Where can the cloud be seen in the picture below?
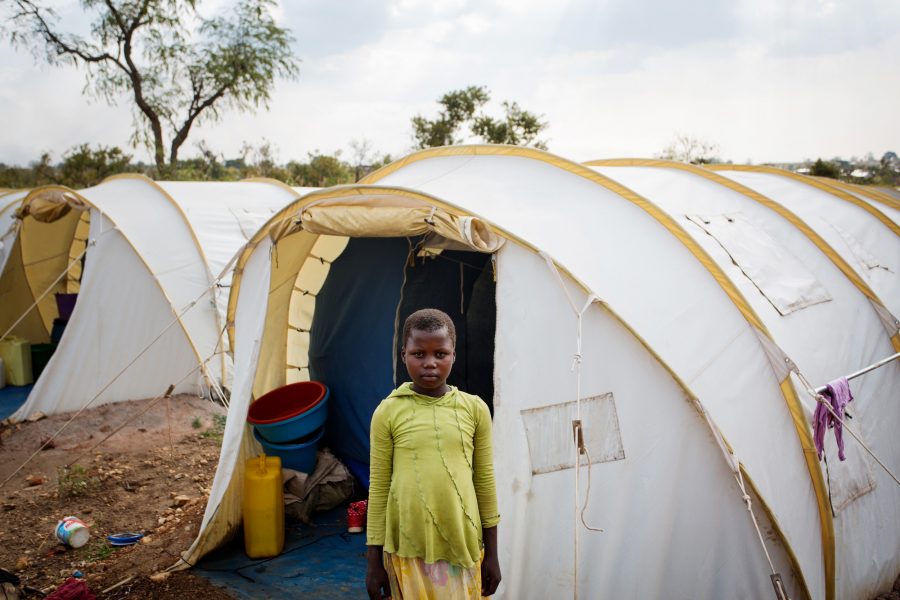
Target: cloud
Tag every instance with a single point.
(612, 78)
(649, 24)
(817, 27)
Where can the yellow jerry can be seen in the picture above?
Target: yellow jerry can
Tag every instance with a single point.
(16, 355)
(263, 507)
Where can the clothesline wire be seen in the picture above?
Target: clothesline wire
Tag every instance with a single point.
(821, 399)
(49, 288)
(115, 378)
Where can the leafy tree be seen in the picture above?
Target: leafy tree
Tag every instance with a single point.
(888, 171)
(690, 149)
(178, 68)
(518, 127)
(83, 167)
(823, 168)
(322, 170)
(458, 108)
(43, 171)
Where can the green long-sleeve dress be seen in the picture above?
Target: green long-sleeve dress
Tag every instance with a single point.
(431, 488)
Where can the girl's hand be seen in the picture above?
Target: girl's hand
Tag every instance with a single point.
(490, 574)
(377, 583)
(490, 564)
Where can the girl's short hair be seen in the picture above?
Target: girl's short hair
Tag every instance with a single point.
(430, 320)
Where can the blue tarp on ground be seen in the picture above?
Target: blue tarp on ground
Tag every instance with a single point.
(323, 561)
(12, 397)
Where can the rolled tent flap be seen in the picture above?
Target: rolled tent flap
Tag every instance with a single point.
(400, 221)
(49, 205)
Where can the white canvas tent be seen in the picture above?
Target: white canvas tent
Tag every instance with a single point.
(882, 199)
(687, 344)
(9, 203)
(150, 309)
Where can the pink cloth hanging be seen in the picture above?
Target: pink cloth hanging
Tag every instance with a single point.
(837, 393)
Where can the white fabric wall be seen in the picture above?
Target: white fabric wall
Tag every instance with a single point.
(892, 213)
(163, 239)
(674, 519)
(250, 318)
(223, 216)
(8, 205)
(104, 335)
(649, 278)
(824, 341)
(849, 314)
(841, 224)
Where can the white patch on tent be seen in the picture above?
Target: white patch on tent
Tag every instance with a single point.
(780, 277)
(852, 478)
(549, 433)
(865, 258)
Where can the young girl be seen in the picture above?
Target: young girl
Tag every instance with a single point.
(432, 514)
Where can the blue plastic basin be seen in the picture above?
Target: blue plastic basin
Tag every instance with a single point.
(299, 457)
(290, 412)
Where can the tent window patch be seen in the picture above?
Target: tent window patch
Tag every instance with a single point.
(549, 433)
(784, 281)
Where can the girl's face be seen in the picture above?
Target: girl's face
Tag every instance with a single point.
(429, 356)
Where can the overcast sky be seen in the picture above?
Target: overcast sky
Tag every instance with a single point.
(766, 80)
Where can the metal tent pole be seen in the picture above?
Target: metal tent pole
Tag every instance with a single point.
(865, 370)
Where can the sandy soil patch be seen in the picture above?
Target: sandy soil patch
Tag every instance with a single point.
(152, 477)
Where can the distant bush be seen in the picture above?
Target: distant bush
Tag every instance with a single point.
(84, 166)
(823, 168)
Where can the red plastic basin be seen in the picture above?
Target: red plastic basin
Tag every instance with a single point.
(290, 412)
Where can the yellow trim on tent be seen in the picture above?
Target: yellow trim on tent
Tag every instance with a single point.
(16, 296)
(796, 221)
(793, 403)
(867, 191)
(275, 182)
(43, 189)
(811, 181)
(664, 219)
(45, 255)
(826, 520)
(788, 549)
(277, 223)
(210, 275)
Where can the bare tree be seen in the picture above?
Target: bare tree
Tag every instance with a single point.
(363, 155)
(690, 149)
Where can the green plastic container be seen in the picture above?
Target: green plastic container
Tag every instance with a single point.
(16, 354)
(40, 356)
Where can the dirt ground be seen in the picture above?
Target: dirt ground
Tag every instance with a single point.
(153, 477)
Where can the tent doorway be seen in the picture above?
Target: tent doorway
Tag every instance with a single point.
(354, 340)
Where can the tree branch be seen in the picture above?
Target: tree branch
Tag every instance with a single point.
(194, 112)
(134, 75)
(30, 11)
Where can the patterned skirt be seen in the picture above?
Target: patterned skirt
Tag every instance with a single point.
(414, 579)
